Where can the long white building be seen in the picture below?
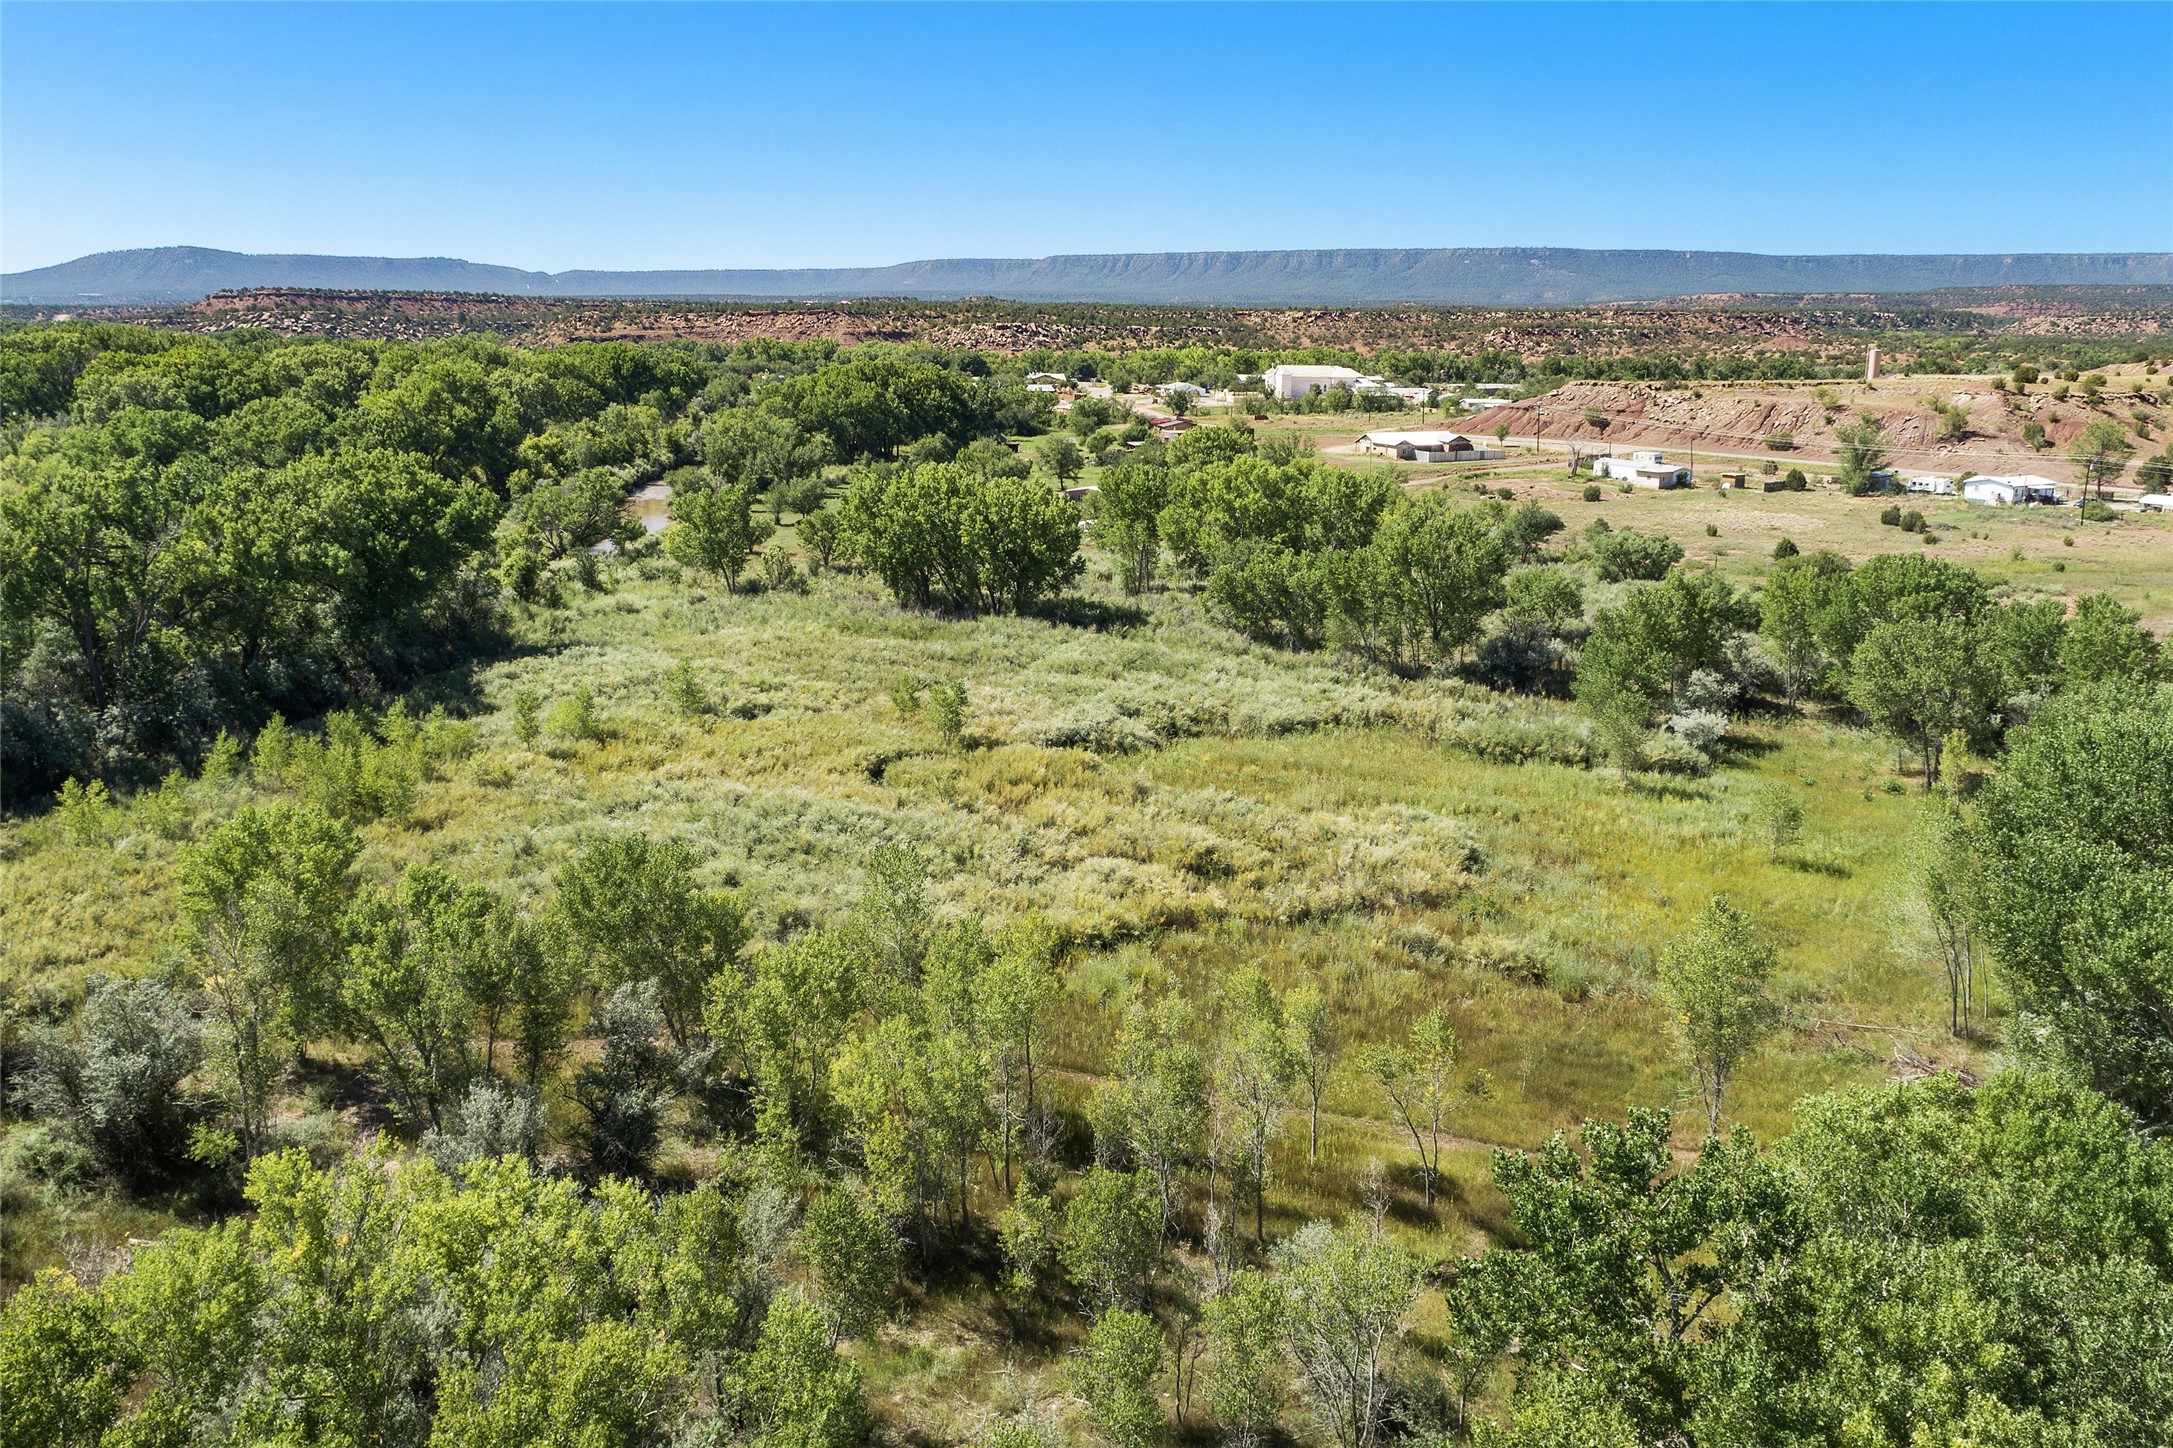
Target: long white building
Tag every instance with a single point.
(1289, 381)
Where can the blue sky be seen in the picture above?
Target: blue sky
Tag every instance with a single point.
(568, 135)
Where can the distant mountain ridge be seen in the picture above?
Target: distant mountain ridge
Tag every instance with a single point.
(1515, 276)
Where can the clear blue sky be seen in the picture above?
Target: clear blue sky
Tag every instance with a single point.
(560, 136)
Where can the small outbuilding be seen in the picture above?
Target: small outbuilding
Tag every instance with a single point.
(1935, 486)
(2155, 502)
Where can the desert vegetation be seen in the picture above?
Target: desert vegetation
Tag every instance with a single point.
(1255, 950)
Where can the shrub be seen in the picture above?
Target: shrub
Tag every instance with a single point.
(2097, 510)
(1712, 530)
(781, 572)
(1786, 548)
(1912, 521)
(947, 711)
(1626, 555)
(1781, 441)
(114, 1084)
(1592, 492)
(527, 715)
(1890, 516)
(1795, 481)
(623, 1093)
(85, 814)
(574, 717)
(685, 690)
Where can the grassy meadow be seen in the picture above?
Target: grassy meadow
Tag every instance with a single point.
(1176, 804)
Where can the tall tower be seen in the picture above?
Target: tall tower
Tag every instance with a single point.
(1871, 364)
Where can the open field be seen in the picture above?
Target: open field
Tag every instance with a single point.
(1173, 801)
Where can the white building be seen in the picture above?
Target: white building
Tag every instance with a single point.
(2009, 490)
(1481, 404)
(1425, 447)
(1936, 486)
(1187, 388)
(2155, 502)
(1643, 470)
(1288, 382)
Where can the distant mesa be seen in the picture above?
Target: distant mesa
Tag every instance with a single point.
(1483, 276)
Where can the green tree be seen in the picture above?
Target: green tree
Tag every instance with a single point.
(1127, 521)
(714, 529)
(1713, 978)
(1549, 597)
(1114, 1373)
(1061, 455)
(563, 517)
(799, 1393)
(1917, 681)
(1420, 1082)
(404, 991)
(1862, 450)
(263, 895)
(630, 909)
(62, 1373)
(852, 1253)
(2102, 452)
(1253, 1077)
(1246, 1371)
(1153, 1110)
(1347, 1293)
(760, 451)
(1798, 593)
(2076, 886)
(1448, 564)
(2106, 641)
(1112, 1235)
(1315, 1044)
(1625, 554)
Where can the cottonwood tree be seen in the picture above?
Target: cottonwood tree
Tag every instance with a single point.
(1014, 994)
(629, 907)
(1713, 978)
(2074, 841)
(791, 1016)
(1919, 680)
(714, 529)
(403, 991)
(1946, 884)
(1862, 449)
(263, 895)
(1112, 1235)
(2102, 452)
(797, 1390)
(1797, 593)
(1314, 1043)
(1421, 1082)
(1154, 1109)
(1253, 1077)
(1345, 1296)
(1246, 1368)
(852, 1254)
(1114, 1373)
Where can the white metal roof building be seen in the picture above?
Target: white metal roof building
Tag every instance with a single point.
(1291, 381)
(1936, 486)
(2009, 490)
